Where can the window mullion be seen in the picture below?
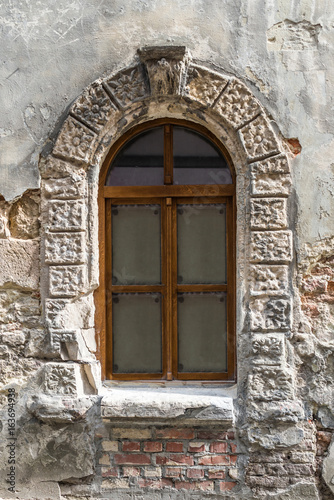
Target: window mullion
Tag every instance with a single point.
(168, 154)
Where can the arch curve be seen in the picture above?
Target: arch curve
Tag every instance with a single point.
(166, 82)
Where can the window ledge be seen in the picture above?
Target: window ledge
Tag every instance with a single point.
(168, 401)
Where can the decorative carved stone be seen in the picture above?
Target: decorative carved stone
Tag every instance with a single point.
(279, 411)
(75, 141)
(54, 168)
(203, 85)
(94, 107)
(268, 279)
(271, 177)
(65, 248)
(270, 313)
(268, 349)
(68, 315)
(60, 379)
(166, 68)
(128, 86)
(271, 246)
(269, 213)
(258, 138)
(66, 215)
(237, 105)
(54, 313)
(267, 384)
(58, 338)
(67, 188)
(67, 281)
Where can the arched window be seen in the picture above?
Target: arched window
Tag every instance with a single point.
(168, 255)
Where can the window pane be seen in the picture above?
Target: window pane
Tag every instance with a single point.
(136, 320)
(201, 244)
(136, 253)
(202, 339)
(196, 160)
(140, 162)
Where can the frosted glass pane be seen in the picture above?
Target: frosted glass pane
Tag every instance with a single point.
(202, 339)
(136, 320)
(197, 160)
(201, 240)
(136, 244)
(140, 162)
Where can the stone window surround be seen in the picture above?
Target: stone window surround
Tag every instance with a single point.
(165, 82)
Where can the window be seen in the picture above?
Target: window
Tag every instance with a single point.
(167, 254)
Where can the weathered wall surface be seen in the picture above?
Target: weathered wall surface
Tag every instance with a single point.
(281, 443)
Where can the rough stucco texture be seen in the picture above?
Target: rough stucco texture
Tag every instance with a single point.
(282, 48)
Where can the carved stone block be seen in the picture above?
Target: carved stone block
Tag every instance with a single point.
(75, 141)
(65, 248)
(265, 279)
(269, 213)
(203, 85)
(128, 86)
(67, 188)
(66, 215)
(271, 177)
(273, 384)
(54, 168)
(62, 337)
(94, 107)
(67, 281)
(68, 315)
(237, 105)
(60, 379)
(270, 313)
(166, 68)
(268, 349)
(258, 138)
(271, 246)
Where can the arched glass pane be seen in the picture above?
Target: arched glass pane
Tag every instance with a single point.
(196, 160)
(140, 162)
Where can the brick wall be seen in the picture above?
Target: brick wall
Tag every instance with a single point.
(181, 458)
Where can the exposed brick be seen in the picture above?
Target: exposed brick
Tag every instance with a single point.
(135, 459)
(172, 471)
(104, 460)
(154, 484)
(110, 472)
(110, 445)
(152, 472)
(202, 486)
(175, 433)
(132, 433)
(131, 471)
(183, 485)
(205, 485)
(174, 447)
(227, 485)
(233, 459)
(131, 446)
(174, 460)
(196, 447)
(212, 435)
(218, 447)
(152, 446)
(214, 460)
(115, 483)
(195, 473)
(233, 447)
(216, 474)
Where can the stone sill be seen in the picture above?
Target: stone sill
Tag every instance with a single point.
(185, 402)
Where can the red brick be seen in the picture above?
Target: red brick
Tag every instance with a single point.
(214, 460)
(216, 474)
(233, 459)
(174, 460)
(212, 435)
(175, 447)
(110, 472)
(231, 435)
(195, 473)
(173, 471)
(131, 446)
(183, 485)
(196, 447)
(152, 446)
(135, 459)
(151, 483)
(227, 485)
(233, 447)
(205, 485)
(218, 447)
(175, 433)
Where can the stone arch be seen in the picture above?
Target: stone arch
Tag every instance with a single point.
(166, 82)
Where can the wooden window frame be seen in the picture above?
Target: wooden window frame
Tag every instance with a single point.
(168, 196)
